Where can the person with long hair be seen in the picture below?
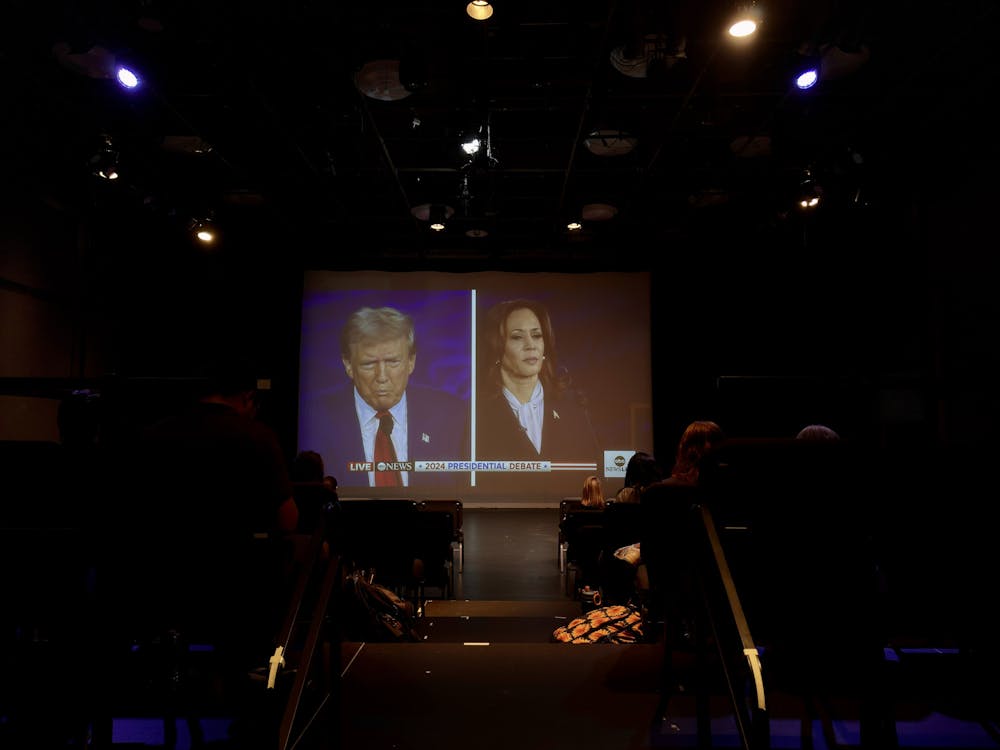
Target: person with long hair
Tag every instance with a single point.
(592, 495)
(641, 471)
(528, 408)
(697, 439)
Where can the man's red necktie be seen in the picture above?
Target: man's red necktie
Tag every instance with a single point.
(385, 452)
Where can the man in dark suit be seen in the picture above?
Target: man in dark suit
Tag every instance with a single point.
(378, 349)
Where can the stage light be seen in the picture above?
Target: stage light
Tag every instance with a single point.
(474, 139)
(104, 163)
(127, 77)
(204, 232)
(437, 214)
(471, 145)
(479, 10)
(806, 79)
(810, 193)
(807, 72)
(437, 217)
(745, 21)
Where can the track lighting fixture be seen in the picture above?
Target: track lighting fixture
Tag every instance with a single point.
(471, 145)
(437, 217)
(436, 214)
(476, 144)
(204, 232)
(104, 163)
(810, 193)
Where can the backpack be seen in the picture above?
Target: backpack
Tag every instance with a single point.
(375, 613)
(614, 623)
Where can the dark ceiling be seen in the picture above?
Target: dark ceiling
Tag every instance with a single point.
(337, 122)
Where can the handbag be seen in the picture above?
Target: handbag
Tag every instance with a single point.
(614, 623)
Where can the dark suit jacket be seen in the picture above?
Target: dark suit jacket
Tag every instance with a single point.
(567, 434)
(437, 429)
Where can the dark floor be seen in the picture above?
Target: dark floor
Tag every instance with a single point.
(510, 555)
(485, 674)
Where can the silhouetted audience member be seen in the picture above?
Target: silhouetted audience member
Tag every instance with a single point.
(205, 514)
(307, 466)
(315, 493)
(666, 571)
(698, 438)
(624, 574)
(620, 555)
(817, 432)
(641, 470)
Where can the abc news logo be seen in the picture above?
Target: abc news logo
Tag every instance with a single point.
(380, 466)
(615, 462)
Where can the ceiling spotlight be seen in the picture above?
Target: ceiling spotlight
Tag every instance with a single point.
(126, 77)
(574, 226)
(204, 232)
(807, 72)
(379, 79)
(810, 193)
(746, 20)
(479, 10)
(437, 214)
(104, 163)
(437, 217)
(471, 145)
(807, 79)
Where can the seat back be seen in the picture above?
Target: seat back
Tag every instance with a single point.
(438, 537)
(796, 519)
(583, 533)
(452, 507)
(666, 541)
(381, 534)
(622, 525)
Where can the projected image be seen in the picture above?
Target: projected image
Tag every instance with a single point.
(385, 385)
(530, 412)
(515, 387)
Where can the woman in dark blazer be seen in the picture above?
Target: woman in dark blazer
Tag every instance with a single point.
(527, 408)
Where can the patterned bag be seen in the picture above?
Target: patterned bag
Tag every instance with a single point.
(615, 623)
